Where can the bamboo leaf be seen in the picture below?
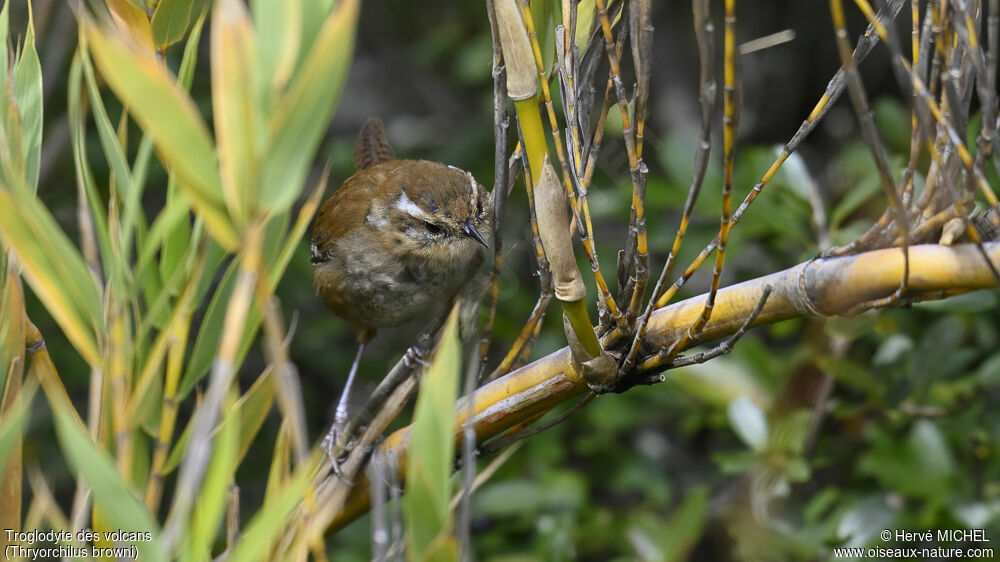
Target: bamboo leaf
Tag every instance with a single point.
(12, 424)
(428, 481)
(118, 504)
(130, 17)
(303, 112)
(171, 20)
(12, 168)
(543, 16)
(280, 463)
(84, 177)
(585, 14)
(236, 119)
(185, 73)
(176, 229)
(114, 153)
(54, 269)
(254, 406)
(28, 95)
(165, 111)
(219, 476)
(4, 28)
(280, 263)
(278, 24)
(210, 333)
(12, 353)
(314, 13)
(207, 341)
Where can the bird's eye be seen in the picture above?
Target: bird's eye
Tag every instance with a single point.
(432, 228)
(479, 206)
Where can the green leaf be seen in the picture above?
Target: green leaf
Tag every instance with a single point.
(314, 14)
(432, 452)
(303, 112)
(11, 154)
(236, 119)
(584, 19)
(542, 14)
(278, 265)
(210, 333)
(117, 503)
(931, 450)
(114, 153)
(680, 534)
(171, 19)
(12, 167)
(12, 328)
(167, 113)
(4, 27)
(185, 74)
(220, 475)
(852, 374)
(893, 120)
(254, 406)
(28, 95)
(920, 466)
(84, 177)
(989, 372)
(54, 269)
(173, 231)
(735, 462)
(279, 36)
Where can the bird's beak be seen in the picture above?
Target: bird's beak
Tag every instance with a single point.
(470, 230)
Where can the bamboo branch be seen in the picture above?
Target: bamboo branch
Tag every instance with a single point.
(819, 287)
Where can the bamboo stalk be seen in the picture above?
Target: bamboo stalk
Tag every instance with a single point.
(819, 287)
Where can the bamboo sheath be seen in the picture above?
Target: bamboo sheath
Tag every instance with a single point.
(820, 287)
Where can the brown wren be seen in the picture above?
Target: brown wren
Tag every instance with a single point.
(396, 239)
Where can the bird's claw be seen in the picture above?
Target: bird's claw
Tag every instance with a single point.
(414, 356)
(336, 450)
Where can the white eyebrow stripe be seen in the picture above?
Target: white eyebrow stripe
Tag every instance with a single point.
(474, 191)
(409, 207)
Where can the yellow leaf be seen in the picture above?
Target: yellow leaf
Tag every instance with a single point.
(132, 21)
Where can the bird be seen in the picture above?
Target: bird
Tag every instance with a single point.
(397, 240)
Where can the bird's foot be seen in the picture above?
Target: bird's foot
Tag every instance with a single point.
(335, 444)
(415, 356)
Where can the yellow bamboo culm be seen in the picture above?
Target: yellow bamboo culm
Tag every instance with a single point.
(821, 287)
